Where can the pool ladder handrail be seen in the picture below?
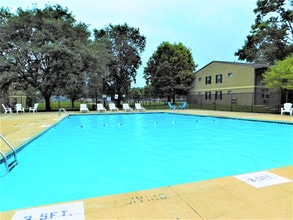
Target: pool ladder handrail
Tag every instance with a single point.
(5, 162)
(62, 109)
(11, 165)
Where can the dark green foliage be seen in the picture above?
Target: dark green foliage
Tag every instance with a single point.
(126, 45)
(48, 51)
(169, 71)
(271, 36)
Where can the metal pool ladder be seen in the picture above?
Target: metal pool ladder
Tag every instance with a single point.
(13, 163)
(62, 109)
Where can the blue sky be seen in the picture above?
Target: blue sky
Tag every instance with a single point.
(211, 29)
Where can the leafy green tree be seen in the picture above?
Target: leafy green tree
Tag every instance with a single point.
(99, 73)
(280, 76)
(44, 49)
(271, 36)
(5, 81)
(127, 44)
(136, 93)
(170, 70)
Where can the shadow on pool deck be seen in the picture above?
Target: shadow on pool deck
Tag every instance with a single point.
(222, 198)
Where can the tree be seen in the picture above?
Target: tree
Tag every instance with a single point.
(45, 49)
(169, 70)
(271, 36)
(280, 76)
(127, 44)
(97, 78)
(136, 93)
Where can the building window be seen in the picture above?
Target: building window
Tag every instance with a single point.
(218, 95)
(208, 95)
(219, 78)
(230, 75)
(265, 95)
(199, 79)
(208, 80)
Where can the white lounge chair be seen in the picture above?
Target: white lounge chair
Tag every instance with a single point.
(126, 107)
(112, 107)
(19, 108)
(287, 108)
(7, 109)
(138, 107)
(35, 108)
(83, 108)
(100, 107)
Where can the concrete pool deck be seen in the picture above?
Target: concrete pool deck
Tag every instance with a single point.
(221, 198)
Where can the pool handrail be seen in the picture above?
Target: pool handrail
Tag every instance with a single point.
(5, 162)
(62, 109)
(10, 146)
(13, 163)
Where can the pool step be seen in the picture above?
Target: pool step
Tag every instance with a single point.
(11, 165)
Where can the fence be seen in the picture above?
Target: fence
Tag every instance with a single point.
(262, 101)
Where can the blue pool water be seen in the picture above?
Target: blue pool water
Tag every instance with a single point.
(97, 155)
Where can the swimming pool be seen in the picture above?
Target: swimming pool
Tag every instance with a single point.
(94, 155)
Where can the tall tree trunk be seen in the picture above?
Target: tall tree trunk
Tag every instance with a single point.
(47, 102)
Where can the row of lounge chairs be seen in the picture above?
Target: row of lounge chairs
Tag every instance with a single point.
(20, 108)
(287, 108)
(112, 107)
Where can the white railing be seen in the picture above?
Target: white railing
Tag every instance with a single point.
(11, 165)
(5, 162)
(62, 109)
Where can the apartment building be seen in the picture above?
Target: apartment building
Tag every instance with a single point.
(231, 82)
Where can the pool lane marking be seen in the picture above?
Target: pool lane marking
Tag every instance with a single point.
(67, 211)
(262, 179)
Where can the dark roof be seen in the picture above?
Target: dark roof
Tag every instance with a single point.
(254, 65)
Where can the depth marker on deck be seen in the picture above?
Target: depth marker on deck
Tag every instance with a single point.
(68, 211)
(262, 179)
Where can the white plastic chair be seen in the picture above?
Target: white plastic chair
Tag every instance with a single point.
(287, 108)
(126, 107)
(83, 108)
(19, 108)
(138, 107)
(100, 107)
(112, 107)
(35, 108)
(7, 109)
